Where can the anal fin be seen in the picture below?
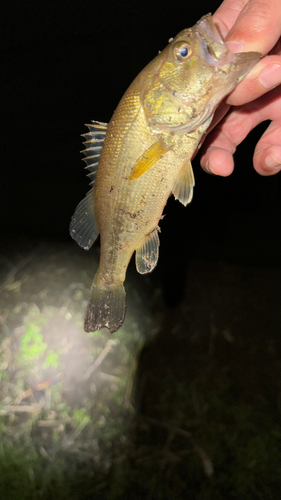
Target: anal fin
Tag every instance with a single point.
(147, 254)
(83, 228)
(183, 188)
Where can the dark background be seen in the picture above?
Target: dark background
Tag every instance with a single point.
(64, 63)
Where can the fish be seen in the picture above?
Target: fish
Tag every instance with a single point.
(143, 155)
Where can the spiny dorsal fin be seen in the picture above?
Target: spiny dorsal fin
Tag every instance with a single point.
(94, 143)
(147, 254)
(183, 188)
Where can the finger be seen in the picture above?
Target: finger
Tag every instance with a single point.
(221, 143)
(267, 155)
(218, 161)
(257, 26)
(245, 19)
(227, 14)
(228, 160)
(265, 76)
(223, 140)
(220, 113)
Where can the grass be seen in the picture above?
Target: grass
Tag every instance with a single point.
(82, 417)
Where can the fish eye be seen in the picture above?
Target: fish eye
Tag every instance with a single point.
(182, 51)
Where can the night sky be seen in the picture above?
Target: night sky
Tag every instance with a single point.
(64, 63)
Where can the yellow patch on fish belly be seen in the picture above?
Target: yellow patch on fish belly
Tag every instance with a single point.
(148, 159)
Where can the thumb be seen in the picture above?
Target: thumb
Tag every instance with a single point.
(257, 27)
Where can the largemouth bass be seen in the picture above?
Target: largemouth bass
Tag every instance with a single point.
(144, 155)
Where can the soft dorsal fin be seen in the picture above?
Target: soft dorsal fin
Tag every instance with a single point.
(94, 143)
(183, 188)
(147, 254)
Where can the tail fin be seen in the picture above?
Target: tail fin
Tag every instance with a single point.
(105, 308)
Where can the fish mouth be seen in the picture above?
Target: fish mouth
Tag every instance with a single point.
(217, 55)
(213, 46)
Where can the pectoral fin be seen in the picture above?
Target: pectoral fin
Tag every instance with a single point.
(147, 254)
(148, 159)
(183, 188)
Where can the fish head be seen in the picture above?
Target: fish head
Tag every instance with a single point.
(192, 76)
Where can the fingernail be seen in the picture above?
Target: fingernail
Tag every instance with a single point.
(271, 76)
(235, 46)
(271, 162)
(207, 167)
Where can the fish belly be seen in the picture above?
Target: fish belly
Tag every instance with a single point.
(132, 210)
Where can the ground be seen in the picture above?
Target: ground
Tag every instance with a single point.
(181, 402)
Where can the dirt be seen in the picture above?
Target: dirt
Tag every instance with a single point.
(181, 401)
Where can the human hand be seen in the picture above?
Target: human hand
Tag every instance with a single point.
(257, 25)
